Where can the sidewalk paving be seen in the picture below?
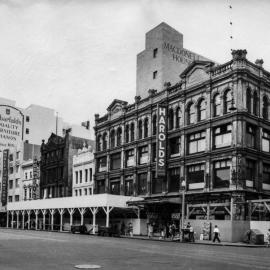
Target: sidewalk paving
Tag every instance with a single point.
(199, 242)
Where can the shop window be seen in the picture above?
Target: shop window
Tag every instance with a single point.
(217, 105)
(143, 154)
(174, 146)
(171, 119)
(195, 176)
(102, 164)
(127, 134)
(100, 186)
(251, 136)
(105, 141)
(132, 132)
(266, 141)
(115, 187)
(223, 136)
(227, 101)
(222, 171)
(156, 184)
(142, 183)
(130, 159)
(196, 142)
(140, 129)
(112, 138)
(146, 128)
(202, 110)
(191, 114)
(178, 117)
(129, 185)
(265, 108)
(248, 96)
(155, 51)
(174, 180)
(116, 161)
(255, 103)
(154, 125)
(266, 174)
(119, 136)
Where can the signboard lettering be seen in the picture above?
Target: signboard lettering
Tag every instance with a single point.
(4, 177)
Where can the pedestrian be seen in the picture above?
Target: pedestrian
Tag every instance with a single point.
(123, 228)
(130, 229)
(268, 238)
(191, 234)
(173, 229)
(150, 230)
(216, 234)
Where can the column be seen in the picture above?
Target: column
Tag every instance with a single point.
(44, 211)
(23, 213)
(52, 217)
(82, 212)
(29, 215)
(7, 218)
(107, 211)
(71, 212)
(94, 210)
(36, 213)
(12, 219)
(61, 212)
(17, 216)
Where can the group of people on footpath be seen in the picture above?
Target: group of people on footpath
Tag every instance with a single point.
(166, 231)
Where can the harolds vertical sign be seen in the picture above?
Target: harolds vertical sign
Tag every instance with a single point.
(4, 178)
(161, 140)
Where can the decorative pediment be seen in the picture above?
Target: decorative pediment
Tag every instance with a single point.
(116, 107)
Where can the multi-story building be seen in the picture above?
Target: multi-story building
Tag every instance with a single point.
(83, 171)
(205, 137)
(56, 164)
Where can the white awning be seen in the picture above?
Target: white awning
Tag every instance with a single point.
(98, 200)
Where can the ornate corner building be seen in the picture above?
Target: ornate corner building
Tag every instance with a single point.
(217, 142)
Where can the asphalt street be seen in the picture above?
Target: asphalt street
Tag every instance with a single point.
(29, 250)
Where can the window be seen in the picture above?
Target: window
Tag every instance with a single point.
(143, 154)
(86, 175)
(178, 117)
(265, 108)
(105, 141)
(196, 142)
(248, 96)
(10, 184)
(116, 161)
(266, 174)
(195, 176)
(27, 130)
(77, 178)
(115, 187)
(145, 127)
(119, 136)
(154, 125)
(127, 133)
(227, 101)
(100, 186)
(155, 74)
(202, 110)
(223, 136)
(17, 183)
(80, 176)
(191, 114)
(171, 119)
(222, 174)
(174, 145)
(11, 170)
(129, 185)
(255, 103)
(130, 160)
(250, 171)
(17, 155)
(31, 174)
(25, 194)
(90, 191)
(156, 183)
(112, 138)
(9, 198)
(266, 141)
(132, 132)
(174, 180)
(76, 192)
(85, 191)
(155, 51)
(27, 119)
(102, 164)
(140, 129)
(99, 143)
(251, 134)
(142, 183)
(217, 105)
(17, 198)
(80, 192)
(30, 193)
(10, 157)
(91, 174)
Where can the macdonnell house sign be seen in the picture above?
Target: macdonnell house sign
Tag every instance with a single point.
(11, 127)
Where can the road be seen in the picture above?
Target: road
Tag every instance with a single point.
(27, 250)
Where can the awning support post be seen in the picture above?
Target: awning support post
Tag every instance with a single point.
(36, 213)
(44, 211)
(23, 213)
(17, 216)
(7, 218)
(29, 215)
(82, 212)
(94, 210)
(52, 211)
(12, 219)
(61, 212)
(107, 211)
(71, 212)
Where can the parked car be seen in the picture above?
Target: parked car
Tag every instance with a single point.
(78, 229)
(108, 231)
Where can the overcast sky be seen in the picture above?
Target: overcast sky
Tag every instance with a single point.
(77, 56)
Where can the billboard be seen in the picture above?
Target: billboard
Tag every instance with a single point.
(4, 178)
(11, 127)
(161, 140)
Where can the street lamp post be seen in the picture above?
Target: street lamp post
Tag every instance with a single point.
(182, 194)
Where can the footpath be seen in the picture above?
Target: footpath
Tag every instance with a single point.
(197, 242)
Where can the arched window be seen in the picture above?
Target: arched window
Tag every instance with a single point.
(105, 141)
(140, 129)
(265, 107)
(132, 132)
(217, 105)
(145, 127)
(112, 138)
(154, 123)
(119, 136)
(191, 114)
(127, 134)
(171, 119)
(99, 144)
(227, 101)
(178, 117)
(202, 110)
(248, 96)
(255, 103)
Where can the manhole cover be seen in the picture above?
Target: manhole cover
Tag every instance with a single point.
(87, 266)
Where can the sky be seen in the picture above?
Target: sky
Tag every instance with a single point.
(77, 56)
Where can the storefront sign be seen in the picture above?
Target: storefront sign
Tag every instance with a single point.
(11, 127)
(175, 216)
(4, 177)
(161, 141)
(35, 179)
